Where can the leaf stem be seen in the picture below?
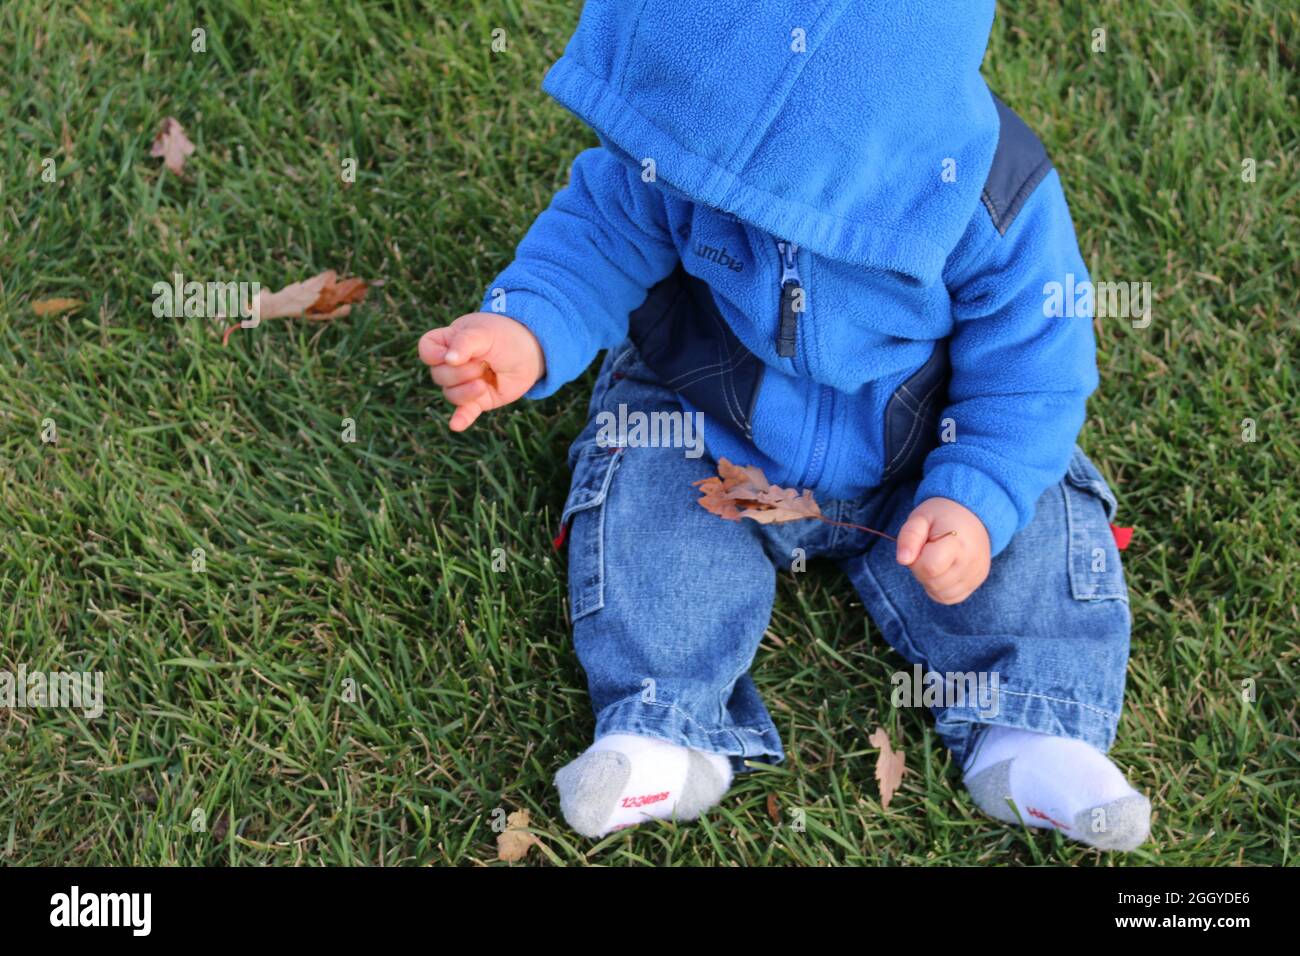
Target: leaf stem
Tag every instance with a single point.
(846, 524)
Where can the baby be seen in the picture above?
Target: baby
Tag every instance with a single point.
(815, 231)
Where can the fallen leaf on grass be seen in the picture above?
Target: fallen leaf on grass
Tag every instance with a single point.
(55, 306)
(514, 843)
(172, 145)
(336, 298)
(889, 766)
(774, 808)
(293, 299)
(319, 299)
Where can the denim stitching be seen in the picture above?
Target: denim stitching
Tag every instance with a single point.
(916, 420)
(727, 363)
(735, 398)
(728, 390)
(688, 719)
(623, 357)
(944, 665)
(1080, 478)
(599, 502)
(726, 399)
(678, 385)
(904, 392)
(713, 368)
(1063, 700)
(1095, 593)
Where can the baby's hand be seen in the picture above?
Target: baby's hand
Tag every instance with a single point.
(952, 567)
(482, 361)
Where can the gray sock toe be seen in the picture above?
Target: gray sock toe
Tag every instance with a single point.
(704, 787)
(991, 789)
(1122, 824)
(590, 787)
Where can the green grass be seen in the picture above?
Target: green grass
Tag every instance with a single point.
(373, 562)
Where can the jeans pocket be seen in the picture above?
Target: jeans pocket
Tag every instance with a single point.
(593, 470)
(1090, 505)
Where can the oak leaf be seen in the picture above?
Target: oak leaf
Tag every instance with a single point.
(889, 766)
(515, 841)
(172, 145)
(743, 491)
(319, 299)
(335, 300)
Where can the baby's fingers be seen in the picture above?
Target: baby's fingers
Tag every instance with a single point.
(937, 557)
(912, 538)
(454, 345)
(433, 346)
(466, 343)
(465, 415)
(446, 375)
(472, 391)
(951, 587)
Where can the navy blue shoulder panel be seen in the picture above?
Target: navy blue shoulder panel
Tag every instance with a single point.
(1019, 165)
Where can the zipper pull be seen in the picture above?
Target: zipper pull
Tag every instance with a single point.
(790, 294)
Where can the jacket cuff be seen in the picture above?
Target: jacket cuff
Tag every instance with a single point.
(555, 334)
(978, 492)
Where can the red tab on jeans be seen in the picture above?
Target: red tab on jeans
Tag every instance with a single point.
(1122, 536)
(558, 541)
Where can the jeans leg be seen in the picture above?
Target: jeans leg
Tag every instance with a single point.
(1047, 633)
(669, 602)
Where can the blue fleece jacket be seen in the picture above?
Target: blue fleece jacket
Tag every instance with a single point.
(854, 150)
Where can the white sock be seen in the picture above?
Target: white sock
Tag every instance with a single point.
(625, 779)
(1057, 782)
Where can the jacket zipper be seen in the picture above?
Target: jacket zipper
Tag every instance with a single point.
(787, 336)
(816, 463)
(790, 286)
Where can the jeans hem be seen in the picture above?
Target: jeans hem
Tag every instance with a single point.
(666, 722)
(961, 728)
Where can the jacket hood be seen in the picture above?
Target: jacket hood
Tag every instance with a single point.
(861, 130)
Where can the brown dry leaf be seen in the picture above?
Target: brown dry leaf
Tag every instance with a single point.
(514, 843)
(55, 306)
(774, 808)
(67, 139)
(294, 299)
(320, 299)
(336, 298)
(889, 766)
(744, 492)
(172, 145)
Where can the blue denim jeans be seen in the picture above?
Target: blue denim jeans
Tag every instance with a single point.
(669, 602)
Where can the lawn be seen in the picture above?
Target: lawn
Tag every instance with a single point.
(322, 651)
